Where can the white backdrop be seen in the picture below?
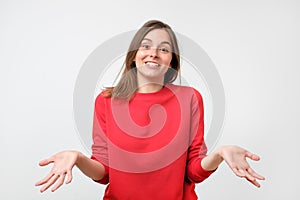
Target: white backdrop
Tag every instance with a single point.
(254, 45)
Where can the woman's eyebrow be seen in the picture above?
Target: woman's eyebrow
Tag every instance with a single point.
(164, 42)
(147, 39)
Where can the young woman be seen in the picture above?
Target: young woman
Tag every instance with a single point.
(149, 133)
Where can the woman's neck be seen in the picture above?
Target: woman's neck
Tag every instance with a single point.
(150, 87)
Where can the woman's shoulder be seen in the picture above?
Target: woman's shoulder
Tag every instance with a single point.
(186, 92)
(101, 97)
(183, 88)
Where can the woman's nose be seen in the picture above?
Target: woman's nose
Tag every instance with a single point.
(153, 52)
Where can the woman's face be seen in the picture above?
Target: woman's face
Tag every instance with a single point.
(154, 56)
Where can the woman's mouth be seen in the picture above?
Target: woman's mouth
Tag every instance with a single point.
(152, 65)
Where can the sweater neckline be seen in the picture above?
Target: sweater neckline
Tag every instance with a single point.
(152, 93)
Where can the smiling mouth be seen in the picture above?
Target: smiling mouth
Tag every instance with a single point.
(152, 65)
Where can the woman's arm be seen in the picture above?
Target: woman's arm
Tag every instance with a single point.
(91, 168)
(63, 164)
(235, 157)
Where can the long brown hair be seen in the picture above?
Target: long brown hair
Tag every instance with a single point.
(127, 85)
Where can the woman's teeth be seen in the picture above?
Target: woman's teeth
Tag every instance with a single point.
(151, 64)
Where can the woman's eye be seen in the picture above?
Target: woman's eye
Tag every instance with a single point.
(145, 46)
(164, 49)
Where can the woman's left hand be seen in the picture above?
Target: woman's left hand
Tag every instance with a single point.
(236, 158)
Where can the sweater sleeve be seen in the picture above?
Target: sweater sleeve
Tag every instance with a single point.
(197, 149)
(99, 147)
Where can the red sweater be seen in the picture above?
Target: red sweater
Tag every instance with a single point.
(151, 146)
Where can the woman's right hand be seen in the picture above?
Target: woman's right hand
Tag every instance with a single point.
(63, 164)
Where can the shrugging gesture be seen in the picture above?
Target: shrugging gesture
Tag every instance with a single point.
(63, 163)
(236, 159)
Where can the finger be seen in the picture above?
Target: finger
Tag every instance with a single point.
(241, 173)
(60, 181)
(46, 162)
(254, 182)
(249, 177)
(237, 172)
(70, 176)
(46, 179)
(50, 182)
(252, 156)
(254, 174)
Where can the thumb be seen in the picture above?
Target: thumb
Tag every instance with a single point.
(253, 156)
(45, 162)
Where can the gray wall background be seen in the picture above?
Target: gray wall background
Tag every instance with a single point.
(254, 45)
